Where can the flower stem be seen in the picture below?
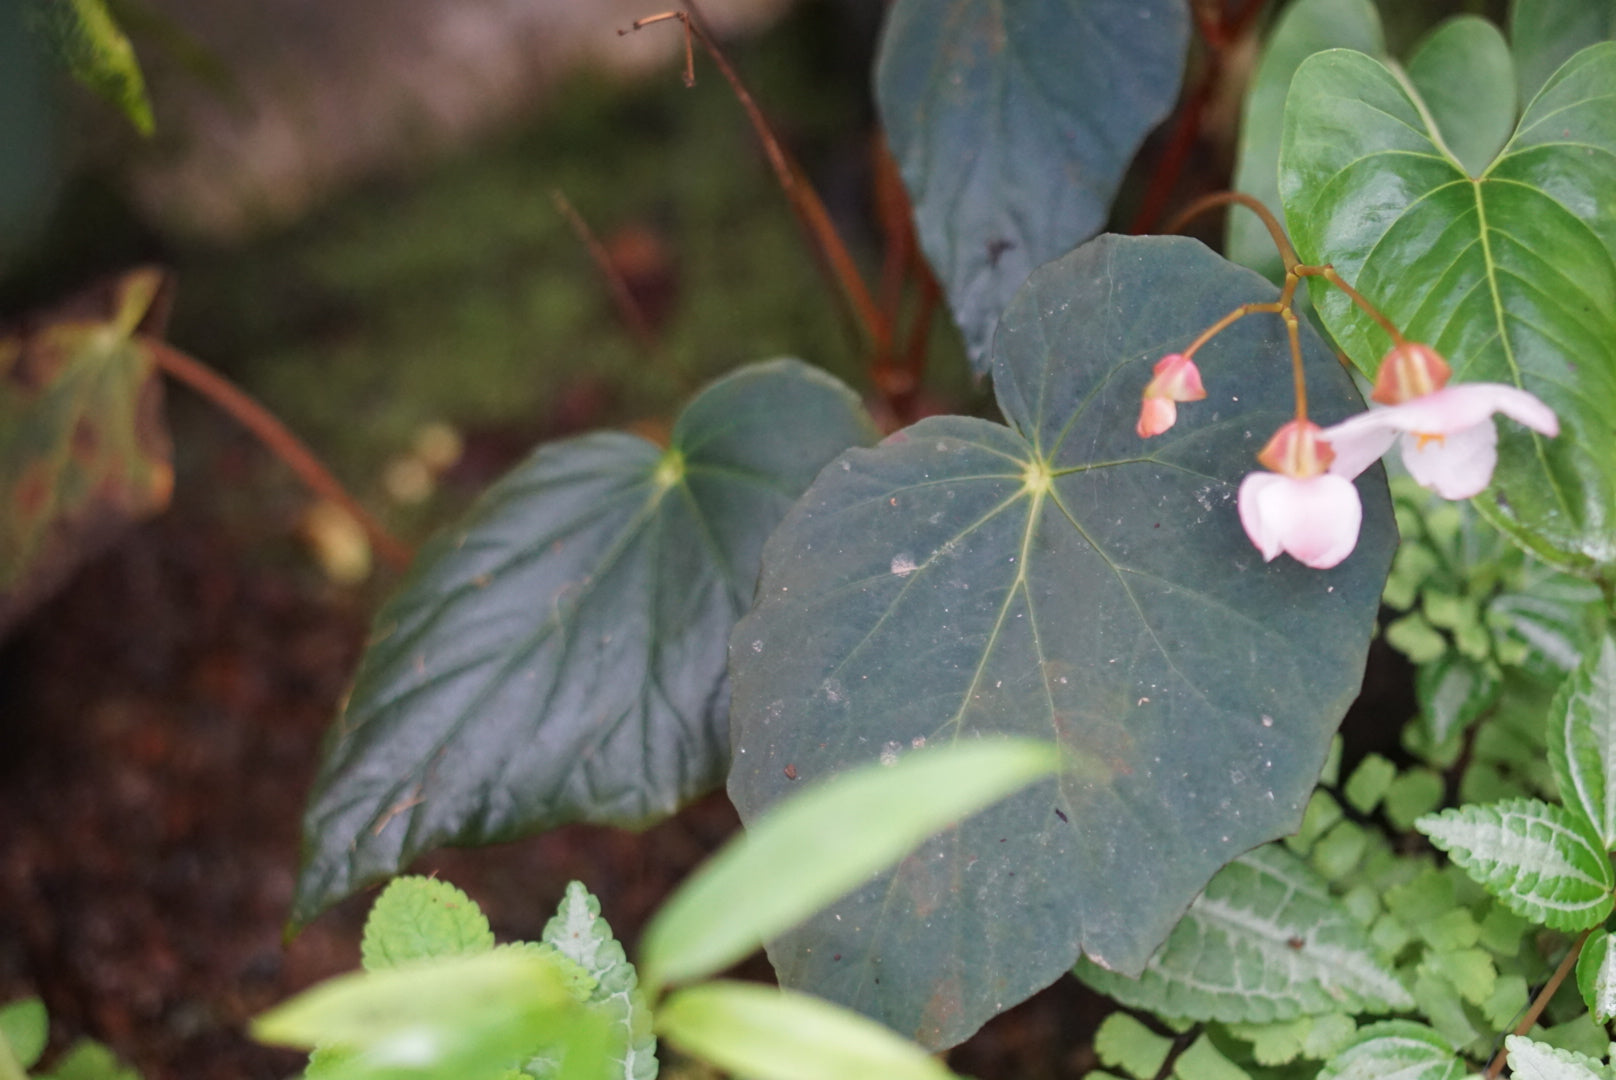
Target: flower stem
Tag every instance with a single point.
(1229, 320)
(1327, 272)
(1539, 1003)
(1287, 253)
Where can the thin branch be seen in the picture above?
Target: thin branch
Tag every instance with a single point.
(1276, 231)
(804, 200)
(241, 407)
(627, 307)
(1539, 1003)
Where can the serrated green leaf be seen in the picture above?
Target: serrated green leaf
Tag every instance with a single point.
(1413, 793)
(1582, 740)
(1544, 861)
(1126, 1044)
(1058, 577)
(98, 53)
(1265, 942)
(1532, 1060)
(582, 935)
(1303, 28)
(1012, 125)
(422, 918)
(560, 655)
(1579, 1034)
(1415, 637)
(1339, 851)
(1546, 33)
(1596, 976)
(1465, 76)
(1462, 263)
(1201, 1060)
(1470, 971)
(1454, 691)
(25, 1028)
(819, 844)
(1502, 930)
(1455, 928)
(1396, 1048)
(1507, 1001)
(1550, 619)
(769, 1034)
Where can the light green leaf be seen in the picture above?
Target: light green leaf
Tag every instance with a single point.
(89, 1060)
(1596, 976)
(1465, 76)
(1396, 1048)
(819, 844)
(1454, 691)
(560, 654)
(422, 918)
(97, 52)
(769, 1034)
(1266, 941)
(1124, 1043)
(25, 1028)
(1303, 28)
(1204, 1061)
(1530, 1060)
(1314, 1037)
(1545, 862)
(1368, 783)
(469, 1017)
(1582, 740)
(580, 934)
(1511, 275)
(1546, 33)
(1416, 791)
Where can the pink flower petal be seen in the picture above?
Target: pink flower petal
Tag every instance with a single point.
(1156, 415)
(1359, 441)
(1454, 466)
(1315, 521)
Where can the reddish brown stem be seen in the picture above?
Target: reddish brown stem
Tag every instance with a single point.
(804, 200)
(622, 296)
(1539, 1003)
(239, 406)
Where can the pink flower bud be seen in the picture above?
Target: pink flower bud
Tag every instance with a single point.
(1297, 451)
(1409, 371)
(1175, 378)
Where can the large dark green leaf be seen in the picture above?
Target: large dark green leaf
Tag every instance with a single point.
(1510, 275)
(1059, 578)
(560, 655)
(1013, 124)
(1547, 33)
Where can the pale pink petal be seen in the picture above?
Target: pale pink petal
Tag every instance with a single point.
(1262, 531)
(1359, 441)
(1454, 408)
(1156, 415)
(1454, 466)
(1315, 521)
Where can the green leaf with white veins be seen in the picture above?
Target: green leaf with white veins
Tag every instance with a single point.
(579, 933)
(1596, 976)
(1266, 941)
(1582, 739)
(559, 656)
(1532, 1060)
(1510, 274)
(1543, 861)
(1396, 1049)
(1059, 577)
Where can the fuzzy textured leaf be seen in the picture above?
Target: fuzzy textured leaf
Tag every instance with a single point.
(83, 447)
(1396, 1048)
(1511, 275)
(1546, 33)
(1543, 861)
(1532, 1060)
(758, 1031)
(580, 934)
(1013, 123)
(1266, 941)
(422, 918)
(1596, 977)
(559, 656)
(98, 53)
(1058, 578)
(1582, 739)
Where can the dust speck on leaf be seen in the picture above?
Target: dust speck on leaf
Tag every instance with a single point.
(903, 565)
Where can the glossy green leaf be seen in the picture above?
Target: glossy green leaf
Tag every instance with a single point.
(1582, 740)
(1266, 941)
(1546, 33)
(83, 447)
(580, 934)
(97, 52)
(1059, 578)
(1396, 1048)
(559, 656)
(1013, 123)
(467, 1017)
(769, 1034)
(1511, 275)
(25, 1029)
(823, 842)
(1465, 77)
(422, 918)
(1303, 28)
(1532, 1060)
(1596, 976)
(1543, 861)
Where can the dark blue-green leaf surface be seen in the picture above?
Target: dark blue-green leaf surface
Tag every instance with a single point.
(937, 589)
(559, 656)
(1013, 123)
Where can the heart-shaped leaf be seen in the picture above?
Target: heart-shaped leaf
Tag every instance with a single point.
(1058, 578)
(1013, 123)
(1465, 76)
(1582, 740)
(83, 448)
(560, 655)
(1303, 28)
(1510, 275)
(1546, 33)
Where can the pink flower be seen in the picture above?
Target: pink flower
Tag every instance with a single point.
(1300, 509)
(1448, 439)
(1175, 378)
